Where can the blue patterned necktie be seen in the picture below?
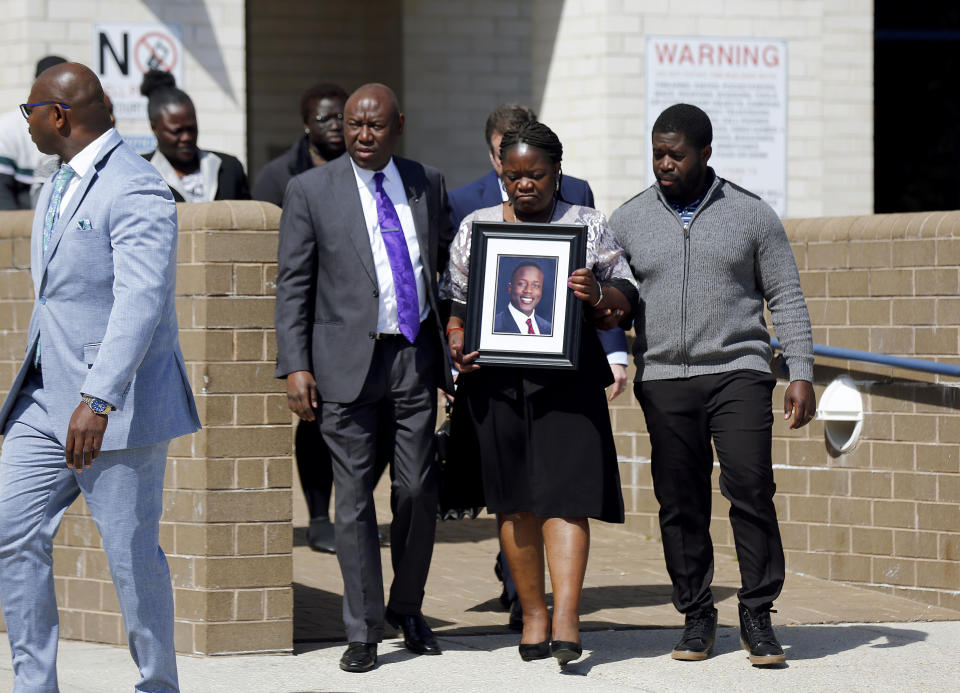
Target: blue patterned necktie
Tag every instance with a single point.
(404, 283)
(60, 184)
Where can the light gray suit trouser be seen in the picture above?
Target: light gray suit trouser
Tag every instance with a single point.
(123, 490)
(400, 388)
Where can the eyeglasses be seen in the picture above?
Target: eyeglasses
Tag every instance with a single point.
(325, 119)
(27, 108)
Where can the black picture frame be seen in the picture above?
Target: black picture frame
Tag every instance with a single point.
(495, 247)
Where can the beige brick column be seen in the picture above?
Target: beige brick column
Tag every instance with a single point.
(227, 511)
(226, 526)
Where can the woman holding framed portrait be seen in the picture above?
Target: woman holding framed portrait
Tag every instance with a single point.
(543, 434)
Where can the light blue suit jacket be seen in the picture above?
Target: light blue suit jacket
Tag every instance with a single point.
(104, 310)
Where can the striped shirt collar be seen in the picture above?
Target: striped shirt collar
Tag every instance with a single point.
(686, 212)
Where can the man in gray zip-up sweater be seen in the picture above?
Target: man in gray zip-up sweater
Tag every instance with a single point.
(707, 254)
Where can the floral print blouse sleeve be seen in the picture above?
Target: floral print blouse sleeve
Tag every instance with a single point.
(453, 283)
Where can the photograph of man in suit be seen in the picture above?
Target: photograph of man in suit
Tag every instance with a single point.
(525, 291)
(358, 329)
(103, 387)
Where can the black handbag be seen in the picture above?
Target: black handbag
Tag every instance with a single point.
(458, 466)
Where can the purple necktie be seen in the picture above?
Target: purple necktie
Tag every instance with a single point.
(404, 283)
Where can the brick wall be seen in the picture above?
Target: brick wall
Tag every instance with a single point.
(887, 514)
(226, 526)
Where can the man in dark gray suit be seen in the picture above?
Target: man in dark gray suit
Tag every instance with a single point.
(358, 328)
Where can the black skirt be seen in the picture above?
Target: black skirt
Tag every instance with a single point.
(544, 442)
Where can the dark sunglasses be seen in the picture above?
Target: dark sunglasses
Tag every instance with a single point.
(27, 108)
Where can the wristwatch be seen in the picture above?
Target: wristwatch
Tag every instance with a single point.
(97, 405)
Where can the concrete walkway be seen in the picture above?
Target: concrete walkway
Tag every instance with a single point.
(838, 637)
(626, 586)
(858, 657)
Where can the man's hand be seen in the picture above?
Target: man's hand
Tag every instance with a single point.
(84, 437)
(302, 395)
(800, 401)
(619, 380)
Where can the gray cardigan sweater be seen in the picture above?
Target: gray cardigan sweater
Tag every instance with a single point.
(702, 287)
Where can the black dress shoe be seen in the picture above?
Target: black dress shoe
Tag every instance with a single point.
(320, 535)
(417, 635)
(538, 650)
(758, 639)
(359, 657)
(565, 651)
(516, 616)
(699, 632)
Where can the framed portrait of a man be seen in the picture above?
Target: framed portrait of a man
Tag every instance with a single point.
(521, 312)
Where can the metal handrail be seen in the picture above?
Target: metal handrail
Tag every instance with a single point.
(882, 359)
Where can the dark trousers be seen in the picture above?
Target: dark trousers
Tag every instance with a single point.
(734, 410)
(316, 468)
(397, 407)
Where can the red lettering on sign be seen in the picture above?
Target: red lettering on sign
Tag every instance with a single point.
(665, 50)
(771, 56)
(717, 54)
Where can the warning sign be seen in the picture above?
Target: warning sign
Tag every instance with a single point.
(742, 86)
(123, 53)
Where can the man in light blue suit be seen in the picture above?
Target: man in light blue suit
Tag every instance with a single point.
(103, 387)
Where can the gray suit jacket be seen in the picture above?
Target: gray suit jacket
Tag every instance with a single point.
(104, 311)
(327, 291)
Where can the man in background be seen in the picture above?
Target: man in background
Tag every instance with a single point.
(321, 108)
(19, 156)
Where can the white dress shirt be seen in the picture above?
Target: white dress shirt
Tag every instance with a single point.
(81, 163)
(521, 319)
(392, 185)
(503, 189)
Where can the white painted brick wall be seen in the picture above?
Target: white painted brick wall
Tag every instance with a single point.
(830, 90)
(580, 63)
(214, 47)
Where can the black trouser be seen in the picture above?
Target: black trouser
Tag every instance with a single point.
(734, 410)
(316, 468)
(396, 408)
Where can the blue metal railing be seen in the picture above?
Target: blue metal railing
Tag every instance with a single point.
(882, 359)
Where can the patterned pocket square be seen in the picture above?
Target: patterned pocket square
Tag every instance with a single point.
(84, 225)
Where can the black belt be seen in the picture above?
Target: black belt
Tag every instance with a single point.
(386, 336)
